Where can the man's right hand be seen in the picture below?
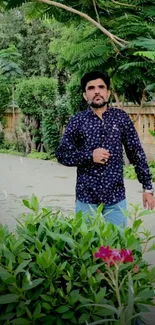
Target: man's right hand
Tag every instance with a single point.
(101, 155)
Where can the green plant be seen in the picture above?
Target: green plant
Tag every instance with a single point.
(48, 269)
(1, 138)
(36, 98)
(129, 172)
(152, 163)
(5, 91)
(152, 132)
(11, 152)
(10, 71)
(39, 155)
(114, 259)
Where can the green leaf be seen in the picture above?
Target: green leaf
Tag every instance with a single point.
(100, 208)
(152, 275)
(137, 223)
(46, 306)
(47, 298)
(7, 316)
(68, 315)
(34, 203)
(129, 311)
(63, 266)
(126, 213)
(83, 272)
(20, 321)
(9, 255)
(147, 54)
(4, 274)
(24, 255)
(38, 244)
(145, 213)
(84, 318)
(102, 321)
(87, 238)
(21, 267)
(59, 321)
(92, 269)
(29, 313)
(59, 237)
(145, 294)
(152, 248)
(113, 309)
(8, 298)
(100, 295)
(27, 204)
(37, 311)
(69, 286)
(33, 284)
(18, 243)
(62, 309)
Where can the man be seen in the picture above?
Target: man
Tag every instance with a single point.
(93, 142)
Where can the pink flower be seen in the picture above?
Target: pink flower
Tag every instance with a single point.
(126, 255)
(111, 256)
(104, 252)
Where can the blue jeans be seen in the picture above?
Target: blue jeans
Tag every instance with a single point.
(112, 213)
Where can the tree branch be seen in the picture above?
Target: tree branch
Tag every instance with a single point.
(95, 8)
(114, 38)
(123, 4)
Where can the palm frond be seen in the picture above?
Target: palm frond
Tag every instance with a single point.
(130, 65)
(143, 42)
(146, 54)
(15, 3)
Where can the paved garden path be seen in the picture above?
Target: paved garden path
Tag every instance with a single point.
(53, 184)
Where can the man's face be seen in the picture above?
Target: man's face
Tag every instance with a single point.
(96, 93)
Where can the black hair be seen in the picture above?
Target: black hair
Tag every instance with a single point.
(93, 75)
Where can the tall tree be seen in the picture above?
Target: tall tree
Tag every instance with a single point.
(129, 21)
(124, 20)
(31, 37)
(10, 71)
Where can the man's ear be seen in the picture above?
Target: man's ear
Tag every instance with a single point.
(85, 97)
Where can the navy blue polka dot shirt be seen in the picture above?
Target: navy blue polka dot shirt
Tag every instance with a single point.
(102, 183)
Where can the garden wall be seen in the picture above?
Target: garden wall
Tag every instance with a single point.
(145, 121)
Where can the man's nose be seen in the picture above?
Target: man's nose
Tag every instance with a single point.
(97, 91)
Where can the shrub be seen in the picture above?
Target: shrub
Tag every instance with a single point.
(129, 172)
(48, 271)
(4, 98)
(39, 155)
(36, 98)
(36, 95)
(75, 98)
(2, 138)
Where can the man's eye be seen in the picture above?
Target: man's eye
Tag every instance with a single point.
(101, 87)
(90, 87)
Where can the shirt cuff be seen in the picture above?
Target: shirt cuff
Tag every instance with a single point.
(148, 185)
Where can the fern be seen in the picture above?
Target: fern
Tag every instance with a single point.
(146, 54)
(129, 65)
(143, 42)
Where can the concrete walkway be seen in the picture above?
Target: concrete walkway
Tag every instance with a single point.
(53, 184)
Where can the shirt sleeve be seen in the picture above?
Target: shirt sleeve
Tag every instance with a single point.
(68, 152)
(135, 153)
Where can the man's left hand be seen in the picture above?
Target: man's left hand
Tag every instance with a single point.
(148, 201)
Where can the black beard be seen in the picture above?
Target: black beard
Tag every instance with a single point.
(98, 105)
